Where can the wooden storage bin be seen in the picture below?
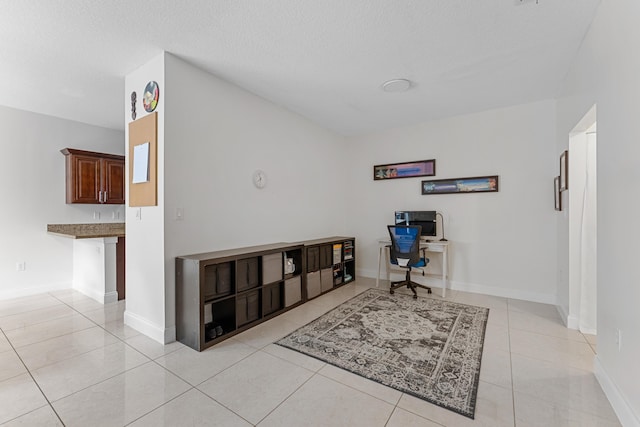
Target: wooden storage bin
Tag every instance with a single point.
(292, 291)
(326, 256)
(217, 280)
(313, 284)
(248, 275)
(248, 307)
(271, 299)
(313, 259)
(272, 268)
(326, 279)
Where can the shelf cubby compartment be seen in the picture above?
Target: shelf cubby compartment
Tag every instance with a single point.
(314, 287)
(326, 279)
(272, 298)
(313, 259)
(247, 273)
(296, 257)
(338, 274)
(272, 268)
(292, 291)
(218, 280)
(248, 307)
(326, 256)
(221, 319)
(349, 271)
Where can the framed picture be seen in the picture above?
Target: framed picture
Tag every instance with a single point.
(557, 196)
(564, 170)
(478, 184)
(405, 170)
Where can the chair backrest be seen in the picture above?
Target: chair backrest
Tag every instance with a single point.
(405, 244)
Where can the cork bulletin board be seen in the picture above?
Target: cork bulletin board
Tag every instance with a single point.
(143, 161)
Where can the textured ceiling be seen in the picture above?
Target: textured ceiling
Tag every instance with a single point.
(324, 59)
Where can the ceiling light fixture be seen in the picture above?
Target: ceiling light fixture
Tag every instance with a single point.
(396, 85)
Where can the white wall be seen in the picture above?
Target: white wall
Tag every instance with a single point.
(33, 192)
(213, 136)
(145, 279)
(501, 243)
(606, 73)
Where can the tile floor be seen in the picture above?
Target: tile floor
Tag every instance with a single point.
(67, 360)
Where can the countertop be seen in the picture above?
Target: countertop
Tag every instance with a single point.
(87, 231)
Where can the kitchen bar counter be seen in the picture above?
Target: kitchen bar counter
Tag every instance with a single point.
(98, 258)
(87, 231)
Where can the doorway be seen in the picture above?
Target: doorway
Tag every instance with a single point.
(582, 213)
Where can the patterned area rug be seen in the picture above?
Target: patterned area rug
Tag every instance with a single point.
(427, 347)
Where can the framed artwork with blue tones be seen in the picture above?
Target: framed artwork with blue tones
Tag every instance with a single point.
(478, 184)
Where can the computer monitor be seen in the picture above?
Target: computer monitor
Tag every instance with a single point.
(425, 219)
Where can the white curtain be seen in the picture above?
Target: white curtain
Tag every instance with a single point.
(588, 255)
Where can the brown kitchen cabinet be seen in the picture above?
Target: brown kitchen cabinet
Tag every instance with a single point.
(94, 178)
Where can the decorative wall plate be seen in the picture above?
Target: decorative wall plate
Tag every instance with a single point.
(151, 96)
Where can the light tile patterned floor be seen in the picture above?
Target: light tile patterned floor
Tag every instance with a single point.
(67, 360)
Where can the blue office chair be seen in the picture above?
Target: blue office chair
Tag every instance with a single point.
(405, 253)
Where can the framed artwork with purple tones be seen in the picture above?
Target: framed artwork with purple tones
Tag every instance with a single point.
(405, 170)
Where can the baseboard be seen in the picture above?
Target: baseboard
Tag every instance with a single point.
(147, 328)
(472, 287)
(503, 292)
(621, 407)
(169, 334)
(372, 274)
(111, 297)
(570, 322)
(102, 298)
(34, 290)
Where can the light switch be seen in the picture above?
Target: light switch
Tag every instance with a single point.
(179, 214)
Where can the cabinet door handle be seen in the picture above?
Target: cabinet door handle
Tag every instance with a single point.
(104, 197)
(100, 196)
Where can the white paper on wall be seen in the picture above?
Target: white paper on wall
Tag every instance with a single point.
(141, 163)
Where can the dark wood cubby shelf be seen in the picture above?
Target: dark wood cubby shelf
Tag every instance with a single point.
(220, 294)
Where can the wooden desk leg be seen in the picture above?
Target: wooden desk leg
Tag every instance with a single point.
(445, 271)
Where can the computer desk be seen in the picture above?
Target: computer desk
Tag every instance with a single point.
(437, 246)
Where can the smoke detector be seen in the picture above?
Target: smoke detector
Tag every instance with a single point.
(396, 85)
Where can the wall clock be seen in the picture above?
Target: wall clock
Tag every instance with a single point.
(259, 179)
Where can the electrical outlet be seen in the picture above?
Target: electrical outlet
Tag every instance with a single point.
(115, 215)
(21, 266)
(96, 215)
